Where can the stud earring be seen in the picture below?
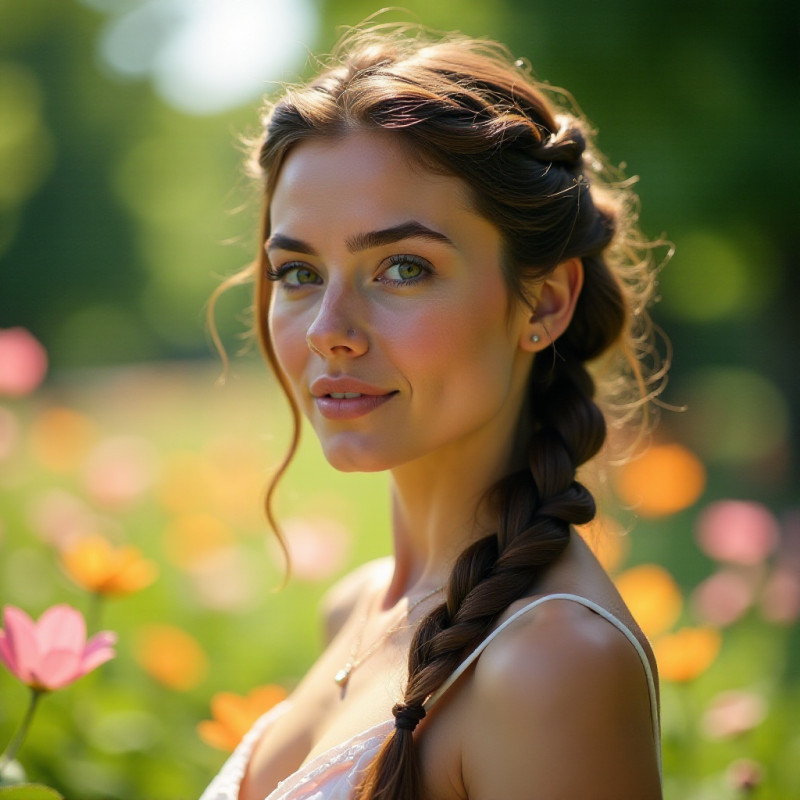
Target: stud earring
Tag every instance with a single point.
(534, 337)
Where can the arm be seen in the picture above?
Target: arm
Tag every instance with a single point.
(560, 709)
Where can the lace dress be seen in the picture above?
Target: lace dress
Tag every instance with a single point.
(332, 775)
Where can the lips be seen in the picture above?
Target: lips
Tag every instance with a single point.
(344, 397)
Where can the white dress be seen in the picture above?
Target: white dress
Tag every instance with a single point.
(332, 775)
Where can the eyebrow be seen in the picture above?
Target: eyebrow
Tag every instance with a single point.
(364, 241)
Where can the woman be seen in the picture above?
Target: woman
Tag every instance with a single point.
(442, 267)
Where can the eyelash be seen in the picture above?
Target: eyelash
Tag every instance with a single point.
(278, 273)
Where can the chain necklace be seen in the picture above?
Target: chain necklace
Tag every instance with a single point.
(355, 660)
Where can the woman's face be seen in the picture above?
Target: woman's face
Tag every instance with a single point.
(390, 315)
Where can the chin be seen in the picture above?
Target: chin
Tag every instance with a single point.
(356, 456)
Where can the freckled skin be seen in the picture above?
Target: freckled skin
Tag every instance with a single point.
(446, 344)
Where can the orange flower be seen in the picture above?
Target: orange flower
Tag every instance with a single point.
(95, 564)
(192, 538)
(665, 479)
(652, 596)
(187, 483)
(687, 653)
(234, 715)
(171, 656)
(61, 438)
(606, 540)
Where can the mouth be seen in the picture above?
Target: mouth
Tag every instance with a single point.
(349, 405)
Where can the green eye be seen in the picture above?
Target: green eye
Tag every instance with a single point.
(407, 270)
(303, 275)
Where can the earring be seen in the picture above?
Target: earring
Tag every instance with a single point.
(534, 337)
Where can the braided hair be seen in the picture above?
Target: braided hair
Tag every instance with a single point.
(466, 109)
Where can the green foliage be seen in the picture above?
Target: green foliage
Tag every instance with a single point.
(29, 791)
(119, 214)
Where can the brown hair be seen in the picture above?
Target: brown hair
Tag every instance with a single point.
(465, 108)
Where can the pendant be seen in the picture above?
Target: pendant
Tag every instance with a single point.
(343, 675)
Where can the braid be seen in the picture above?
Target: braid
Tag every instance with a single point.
(534, 510)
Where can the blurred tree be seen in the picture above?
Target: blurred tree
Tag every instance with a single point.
(115, 205)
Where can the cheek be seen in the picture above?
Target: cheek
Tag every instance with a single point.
(288, 333)
(465, 347)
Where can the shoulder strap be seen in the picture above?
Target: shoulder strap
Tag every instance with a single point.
(607, 615)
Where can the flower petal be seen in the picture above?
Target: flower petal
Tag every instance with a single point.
(217, 735)
(61, 628)
(21, 640)
(99, 649)
(7, 654)
(58, 668)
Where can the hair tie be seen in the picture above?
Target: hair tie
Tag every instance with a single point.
(406, 718)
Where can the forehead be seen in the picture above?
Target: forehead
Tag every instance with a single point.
(364, 178)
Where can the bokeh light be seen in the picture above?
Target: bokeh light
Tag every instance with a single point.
(205, 56)
(665, 479)
(652, 596)
(714, 275)
(737, 531)
(724, 597)
(171, 656)
(686, 654)
(61, 438)
(737, 416)
(23, 362)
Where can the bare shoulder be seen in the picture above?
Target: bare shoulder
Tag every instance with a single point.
(559, 700)
(339, 601)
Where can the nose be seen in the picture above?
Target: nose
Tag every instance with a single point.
(336, 329)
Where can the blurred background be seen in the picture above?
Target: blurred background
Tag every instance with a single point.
(131, 479)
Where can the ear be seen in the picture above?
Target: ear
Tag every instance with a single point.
(554, 302)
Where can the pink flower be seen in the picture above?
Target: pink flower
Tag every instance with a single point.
(53, 652)
(737, 532)
(724, 597)
(23, 362)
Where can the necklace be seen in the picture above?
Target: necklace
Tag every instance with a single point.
(355, 660)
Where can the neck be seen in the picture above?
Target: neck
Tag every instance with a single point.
(437, 510)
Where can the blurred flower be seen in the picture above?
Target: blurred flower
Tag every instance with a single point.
(95, 564)
(780, 600)
(737, 531)
(23, 362)
(186, 483)
(226, 579)
(171, 656)
(607, 541)
(238, 479)
(687, 653)
(119, 470)
(318, 547)
(722, 598)
(733, 713)
(53, 652)
(60, 438)
(745, 775)
(9, 433)
(652, 596)
(191, 538)
(664, 479)
(59, 517)
(234, 715)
